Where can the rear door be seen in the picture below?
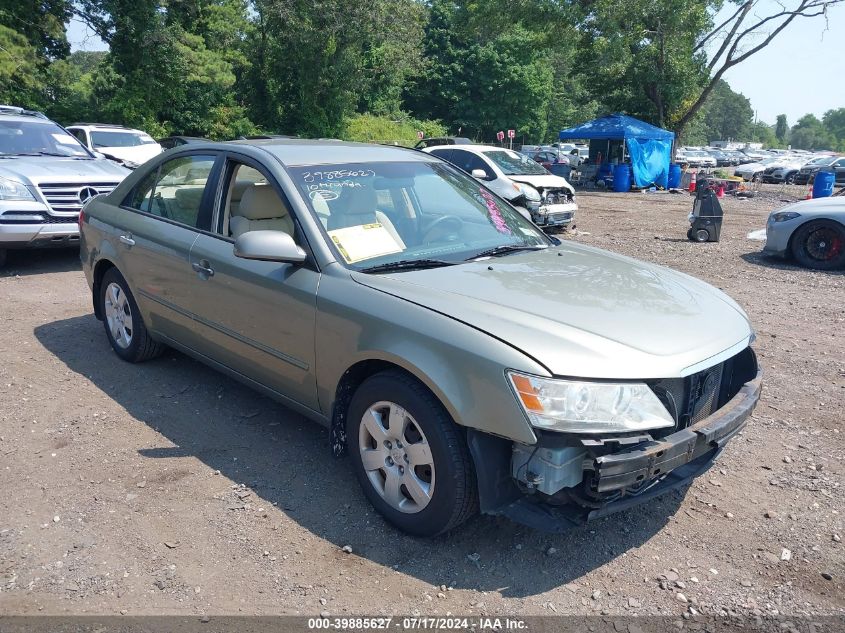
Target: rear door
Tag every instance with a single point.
(164, 213)
(255, 317)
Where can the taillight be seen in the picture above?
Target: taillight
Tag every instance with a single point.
(81, 219)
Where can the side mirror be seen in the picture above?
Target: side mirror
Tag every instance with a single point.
(269, 246)
(479, 173)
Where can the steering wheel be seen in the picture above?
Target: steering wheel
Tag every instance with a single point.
(451, 224)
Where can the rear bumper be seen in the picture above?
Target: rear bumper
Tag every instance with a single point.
(652, 468)
(38, 235)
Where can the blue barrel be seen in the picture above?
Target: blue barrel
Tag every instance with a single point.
(823, 184)
(674, 176)
(622, 178)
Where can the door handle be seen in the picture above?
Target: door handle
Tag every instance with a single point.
(203, 268)
(127, 239)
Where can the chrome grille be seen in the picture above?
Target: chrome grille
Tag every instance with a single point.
(65, 197)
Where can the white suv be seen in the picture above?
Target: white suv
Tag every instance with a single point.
(130, 147)
(545, 199)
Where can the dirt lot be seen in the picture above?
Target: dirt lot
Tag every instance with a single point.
(168, 488)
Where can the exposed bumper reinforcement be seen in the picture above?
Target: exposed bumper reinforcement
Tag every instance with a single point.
(671, 463)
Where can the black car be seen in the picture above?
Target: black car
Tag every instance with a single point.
(808, 172)
(176, 141)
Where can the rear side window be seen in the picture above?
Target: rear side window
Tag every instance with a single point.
(175, 191)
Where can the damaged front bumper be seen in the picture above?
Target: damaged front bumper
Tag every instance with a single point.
(632, 474)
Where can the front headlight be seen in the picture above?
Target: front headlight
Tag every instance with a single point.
(576, 406)
(14, 190)
(783, 216)
(529, 192)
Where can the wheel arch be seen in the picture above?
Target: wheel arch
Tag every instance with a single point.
(354, 376)
(100, 270)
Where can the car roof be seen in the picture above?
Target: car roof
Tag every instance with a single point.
(106, 127)
(296, 152)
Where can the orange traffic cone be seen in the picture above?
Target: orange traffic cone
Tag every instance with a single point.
(692, 183)
(809, 195)
(720, 192)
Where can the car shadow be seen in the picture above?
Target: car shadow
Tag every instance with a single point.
(285, 460)
(759, 258)
(25, 262)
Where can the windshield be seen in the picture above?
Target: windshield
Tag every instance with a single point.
(823, 160)
(29, 138)
(378, 214)
(514, 164)
(120, 139)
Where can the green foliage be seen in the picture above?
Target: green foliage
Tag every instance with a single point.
(482, 87)
(368, 128)
(19, 68)
(810, 133)
(781, 128)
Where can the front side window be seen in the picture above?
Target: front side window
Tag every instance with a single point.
(175, 191)
(25, 138)
(513, 163)
(377, 214)
(119, 139)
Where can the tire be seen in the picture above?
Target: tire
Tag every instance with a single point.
(790, 179)
(820, 244)
(124, 326)
(702, 235)
(689, 233)
(440, 466)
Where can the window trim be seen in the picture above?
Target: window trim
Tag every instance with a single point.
(206, 209)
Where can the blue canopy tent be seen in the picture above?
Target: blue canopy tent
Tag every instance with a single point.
(649, 147)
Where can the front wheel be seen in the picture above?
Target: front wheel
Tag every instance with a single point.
(820, 244)
(409, 455)
(125, 328)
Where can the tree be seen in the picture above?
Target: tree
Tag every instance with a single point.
(727, 114)
(748, 30)
(809, 133)
(41, 22)
(481, 85)
(834, 123)
(781, 128)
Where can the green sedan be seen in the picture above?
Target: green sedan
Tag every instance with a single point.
(464, 360)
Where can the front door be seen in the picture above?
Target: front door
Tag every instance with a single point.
(256, 317)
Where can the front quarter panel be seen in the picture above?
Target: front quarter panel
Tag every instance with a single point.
(463, 367)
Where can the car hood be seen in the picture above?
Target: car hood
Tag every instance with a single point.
(544, 181)
(826, 206)
(137, 154)
(581, 311)
(38, 169)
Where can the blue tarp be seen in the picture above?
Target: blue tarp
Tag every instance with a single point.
(649, 147)
(617, 126)
(650, 162)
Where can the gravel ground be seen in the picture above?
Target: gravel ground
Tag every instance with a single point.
(168, 488)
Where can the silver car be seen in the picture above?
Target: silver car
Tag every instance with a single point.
(464, 360)
(811, 231)
(45, 178)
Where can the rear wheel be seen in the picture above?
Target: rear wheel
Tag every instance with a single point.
(125, 328)
(702, 235)
(820, 244)
(409, 456)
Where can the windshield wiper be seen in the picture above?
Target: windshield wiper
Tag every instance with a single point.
(407, 264)
(507, 248)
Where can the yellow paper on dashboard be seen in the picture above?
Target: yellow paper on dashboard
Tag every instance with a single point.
(365, 241)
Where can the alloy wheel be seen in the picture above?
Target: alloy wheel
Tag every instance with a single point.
(824, 244)
(118, 315)
(397, 457)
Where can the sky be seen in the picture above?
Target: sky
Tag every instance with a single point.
(794, 75)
